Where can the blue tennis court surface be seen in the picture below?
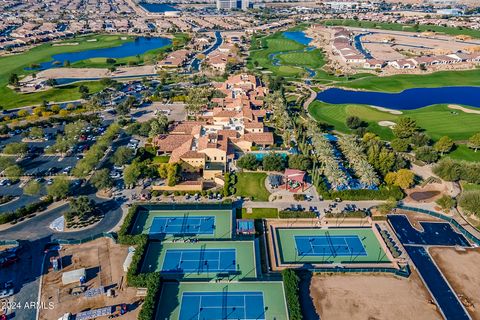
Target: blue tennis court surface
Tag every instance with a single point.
(329, 245)
(183, 225)
(199, 260)
(222, 305)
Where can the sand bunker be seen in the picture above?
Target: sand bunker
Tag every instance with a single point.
(387, 110)
(466, 110)
(389, 124)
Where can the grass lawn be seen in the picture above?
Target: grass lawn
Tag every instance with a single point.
(252, 185)
(292, 56)
(398, 83)
(404, 27)
(437, 120)
(470, 186)
(17, 63)
(160, 159)
(463, 152)
(70, 92)
(260, 213)
(311, 59)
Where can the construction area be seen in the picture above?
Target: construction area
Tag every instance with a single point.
(89, 282)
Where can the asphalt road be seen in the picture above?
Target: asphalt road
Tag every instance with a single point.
(33, 234)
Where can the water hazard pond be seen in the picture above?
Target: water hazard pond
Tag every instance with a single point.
(127, 49)
(406, 100)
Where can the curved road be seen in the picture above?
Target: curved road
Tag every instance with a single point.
(38, 227)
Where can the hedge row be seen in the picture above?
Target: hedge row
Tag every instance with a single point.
(229, 186)
(24, 211)
(290, 283)
(152, 281)
(350, 214)
(296, 214)
(383, 193)
(124, 237)
(154, 286)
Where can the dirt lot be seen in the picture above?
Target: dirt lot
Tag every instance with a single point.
(371, 297)
(103, 261)
(461, 270)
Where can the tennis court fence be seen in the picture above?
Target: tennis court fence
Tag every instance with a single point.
(402, 272)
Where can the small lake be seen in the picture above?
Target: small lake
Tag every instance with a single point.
(409, 99)
(130, 48)
(298, 36)
(157, 7)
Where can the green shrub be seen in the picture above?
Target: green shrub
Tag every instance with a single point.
(25, 211)
(383, 193)
(154, 285)
(290, 283)
(296, 214)
(123, 234)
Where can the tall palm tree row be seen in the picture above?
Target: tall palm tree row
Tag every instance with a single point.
(323, 153)
(357, 159)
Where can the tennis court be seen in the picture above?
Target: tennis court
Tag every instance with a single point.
(166, 224)
(328, 245)
(222, 305)
(208, 259)
(200, 260)
(246, 300)
(183, 225)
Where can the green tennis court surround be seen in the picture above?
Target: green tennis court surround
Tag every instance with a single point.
(206, 259)
(326, 246)
(202, 224)
(239, 300)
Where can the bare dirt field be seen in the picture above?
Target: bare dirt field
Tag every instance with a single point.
(461, 270)
(371, 297)
(103, 261)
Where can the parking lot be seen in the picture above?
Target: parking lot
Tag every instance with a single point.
(173, 111)
(25, 283)
(48, 165)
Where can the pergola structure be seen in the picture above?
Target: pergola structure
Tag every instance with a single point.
(294, 179)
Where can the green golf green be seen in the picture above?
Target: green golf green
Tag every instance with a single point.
(181, 301)
(204, 259)
(166, 224)
(327, 246)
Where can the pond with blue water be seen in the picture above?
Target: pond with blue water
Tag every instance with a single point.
(298, 36)
(127, 49)
(157, 7)
(409, 99)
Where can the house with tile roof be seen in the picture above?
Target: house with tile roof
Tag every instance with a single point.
(208, 146)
